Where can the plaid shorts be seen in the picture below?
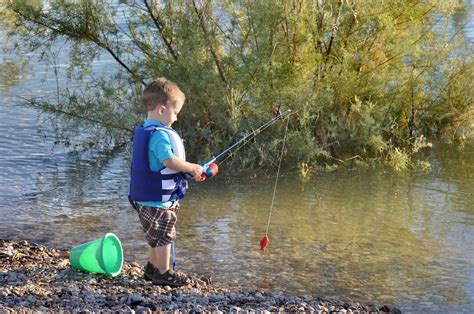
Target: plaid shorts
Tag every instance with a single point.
(158, 223)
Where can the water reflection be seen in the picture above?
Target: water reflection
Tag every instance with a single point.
(364, 235)
(401, 238)
(361, 234)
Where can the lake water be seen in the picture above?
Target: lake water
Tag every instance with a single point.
(361, 235)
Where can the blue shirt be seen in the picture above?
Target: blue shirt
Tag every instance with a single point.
(159, 150)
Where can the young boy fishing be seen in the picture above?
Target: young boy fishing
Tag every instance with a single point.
(158, 179)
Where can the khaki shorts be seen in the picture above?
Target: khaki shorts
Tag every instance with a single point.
(158, 223)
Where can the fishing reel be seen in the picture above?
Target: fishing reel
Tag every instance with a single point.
(209, 171)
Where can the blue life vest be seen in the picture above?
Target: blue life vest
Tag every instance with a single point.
(146, 185)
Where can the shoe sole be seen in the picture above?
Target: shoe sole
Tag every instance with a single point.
(167, 283)
(149, 277)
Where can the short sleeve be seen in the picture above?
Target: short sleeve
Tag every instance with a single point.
(159, 150)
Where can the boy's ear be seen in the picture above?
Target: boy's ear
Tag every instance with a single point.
(161, 108)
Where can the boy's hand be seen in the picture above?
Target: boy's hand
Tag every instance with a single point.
(196, 171)
(193, 170)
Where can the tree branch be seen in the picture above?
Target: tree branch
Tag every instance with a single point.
(161, 28)
(217, 61)
(52, 109)
(335, 29)
(77, 35)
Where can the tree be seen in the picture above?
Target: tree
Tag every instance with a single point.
(366, 79)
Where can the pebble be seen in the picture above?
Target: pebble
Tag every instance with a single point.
(49, 283)
(134, 299)
(143, 309)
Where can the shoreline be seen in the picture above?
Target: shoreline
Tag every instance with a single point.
(36, 278)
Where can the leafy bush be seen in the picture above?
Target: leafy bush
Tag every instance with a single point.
(365, 79)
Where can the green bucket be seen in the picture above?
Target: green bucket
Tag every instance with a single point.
(102, 256)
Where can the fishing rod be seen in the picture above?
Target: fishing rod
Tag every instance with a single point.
(210, 169)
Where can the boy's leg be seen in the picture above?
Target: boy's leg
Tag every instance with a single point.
(160, 257)
(159, 226)
(163, 275)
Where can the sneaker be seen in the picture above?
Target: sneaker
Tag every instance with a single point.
(170, 278)
(149, 272)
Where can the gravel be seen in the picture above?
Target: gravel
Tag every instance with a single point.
(37, 278)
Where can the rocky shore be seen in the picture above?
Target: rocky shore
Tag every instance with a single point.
(36, 278)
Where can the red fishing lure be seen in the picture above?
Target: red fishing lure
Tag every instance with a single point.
(264, 243)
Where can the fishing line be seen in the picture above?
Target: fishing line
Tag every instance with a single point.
(277, 176)
(265, 240)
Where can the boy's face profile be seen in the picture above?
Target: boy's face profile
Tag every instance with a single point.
(169, 114)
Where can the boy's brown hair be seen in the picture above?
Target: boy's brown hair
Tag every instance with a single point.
(161, 92)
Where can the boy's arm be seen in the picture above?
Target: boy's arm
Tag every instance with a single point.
(160, 147)
(177, 164)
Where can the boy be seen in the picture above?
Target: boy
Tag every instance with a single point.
(158, 178)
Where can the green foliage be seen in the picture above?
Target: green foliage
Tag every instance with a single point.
(366, 79)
